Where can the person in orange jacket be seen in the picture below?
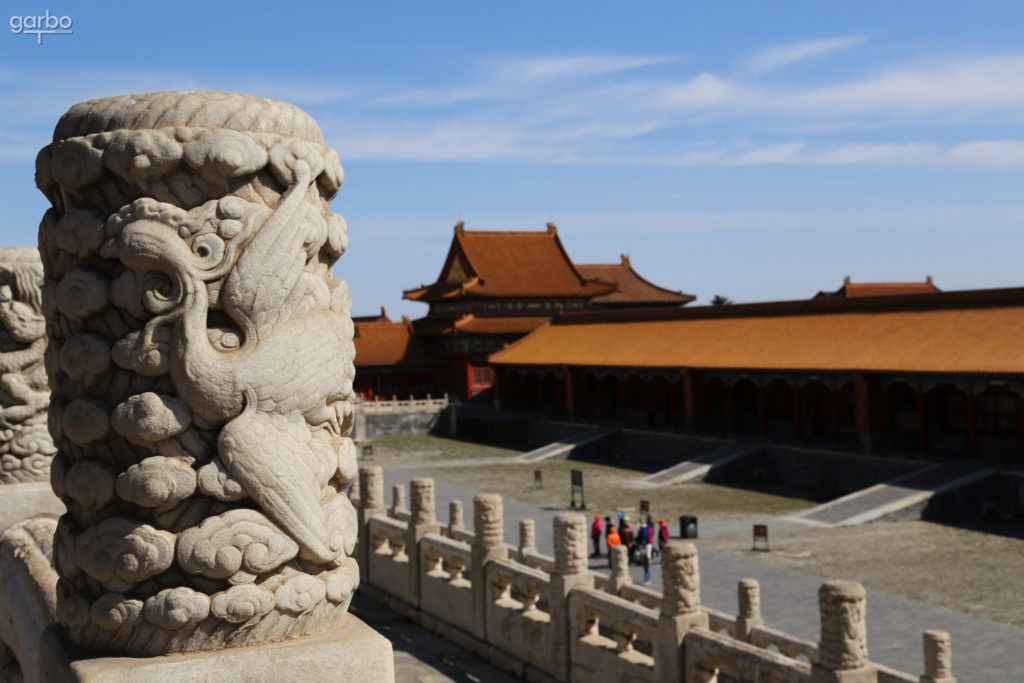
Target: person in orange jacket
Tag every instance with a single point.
(612, 540)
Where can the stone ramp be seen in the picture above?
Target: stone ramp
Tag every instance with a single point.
(697, 468)
(898, 494)
(564, 447)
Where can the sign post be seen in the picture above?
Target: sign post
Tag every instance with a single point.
(367, 452)
(761, 536)
(577, 482)
(538, 483)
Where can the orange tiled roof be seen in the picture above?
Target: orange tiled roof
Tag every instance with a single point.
(382, 318)
(388, 343)
(897, 337)
(630, 287)
(500, 325)
(851, 290)
(508, 264)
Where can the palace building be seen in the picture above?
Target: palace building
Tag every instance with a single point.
(940, 373)
(497, 286)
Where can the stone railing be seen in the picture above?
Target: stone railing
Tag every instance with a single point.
(545, 618)
(411, 405)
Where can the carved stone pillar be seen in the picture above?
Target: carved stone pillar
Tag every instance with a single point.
(200, 359)
(749, 618)
(25, 445)
(527, 539)
(938, 655)
(455, 522)
(488, 531)
(371, 502)
(619, 559)
(571, 571)
(680, 607)
(398, 500)
(422, 521)
(843, 647)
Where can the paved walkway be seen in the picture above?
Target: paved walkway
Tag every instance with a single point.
(983, 650)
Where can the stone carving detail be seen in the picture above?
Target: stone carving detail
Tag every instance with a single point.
(844, 631)
(422, 494)
(25, 445)
(938, 657)
(570, 543)
(680, 575)
(488, 520)
(200, 358)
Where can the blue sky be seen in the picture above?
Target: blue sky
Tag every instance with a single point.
(756, 150)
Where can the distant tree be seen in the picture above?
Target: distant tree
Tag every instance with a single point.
(720, 300)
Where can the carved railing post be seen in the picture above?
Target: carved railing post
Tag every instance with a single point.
(571, 571)
(749, 617)
(843, 647)
(371, 502)
(455, 522)
(422, 521)
(200, 359)
(938, 655)
(398, 501)
(527, 539)
(25, 445)
(488, 532)
(680, 607)
(619, 556)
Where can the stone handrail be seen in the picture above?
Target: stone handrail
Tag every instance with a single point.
(543, 617)
(709, 654)
(608, 634)
(412, 405)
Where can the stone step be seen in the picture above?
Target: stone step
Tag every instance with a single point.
(697, 468)
(564, 447)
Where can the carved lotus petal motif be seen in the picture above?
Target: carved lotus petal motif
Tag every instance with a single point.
(141, 155)
(76, 163)
(175, 608)
(84, 357)
(224, 153)
(215, 481)
(239, 604)
(150, 417)
(300, 593)
(240, 542)
(120, 552)
(157, 481)
(81, 293)
(85, 421)
(90, 483)
(111, 611)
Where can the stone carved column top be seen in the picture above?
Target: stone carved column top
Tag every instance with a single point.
(680, 575)
(371, 487)
(844, 638)
(570, 531)
(488, 520)
(422, 494)
(200, 358)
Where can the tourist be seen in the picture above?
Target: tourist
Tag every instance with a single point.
(613, 540)
(663, 534)
(646, 553)
(626, 534)
(595, 535)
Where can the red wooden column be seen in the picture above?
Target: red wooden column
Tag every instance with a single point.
(540, 393)
(922, 428)
(647, 401)
(600, 398)
(762, 415)
(886, 416)
(522, 390)
(729, 421)
(568, 392)
(674, 387)
(972, 425)
(689, 410)
(622, 400)
(835, 411)
(797, 424)
(862, 402)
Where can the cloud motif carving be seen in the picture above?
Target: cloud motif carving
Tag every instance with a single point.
(238, 545)
(113, 610)
(120, 552)
(241, 603)
(175, 608)
(157, 481)
(299, 594)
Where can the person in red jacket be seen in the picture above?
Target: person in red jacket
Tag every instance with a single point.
(595, 535)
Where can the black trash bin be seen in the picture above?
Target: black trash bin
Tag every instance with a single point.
(687, 526)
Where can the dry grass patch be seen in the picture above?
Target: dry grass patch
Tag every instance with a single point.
(960, 569)
(612, 488)
(403, 450)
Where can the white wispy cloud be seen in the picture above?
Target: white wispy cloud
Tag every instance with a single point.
(572, 66)
(791, 53)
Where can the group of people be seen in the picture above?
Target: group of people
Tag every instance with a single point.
(643, 542)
